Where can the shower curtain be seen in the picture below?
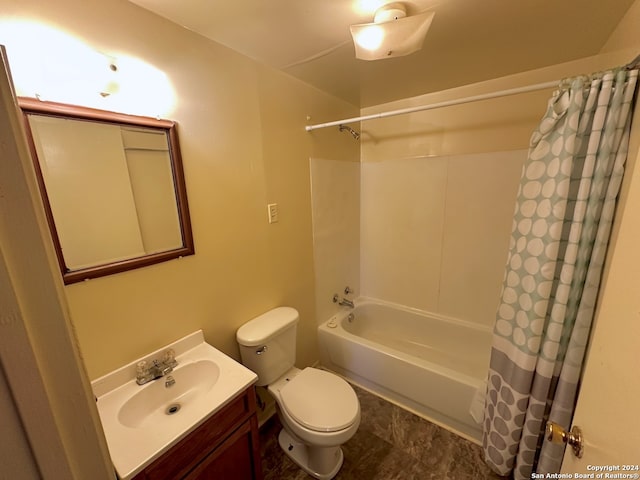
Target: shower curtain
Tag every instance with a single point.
(560, 232)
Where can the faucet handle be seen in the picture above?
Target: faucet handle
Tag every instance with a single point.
(169, 358)
(141, 368)
(169, 355)
(347, 290)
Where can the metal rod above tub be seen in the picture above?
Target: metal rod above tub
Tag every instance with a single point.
(448, 103)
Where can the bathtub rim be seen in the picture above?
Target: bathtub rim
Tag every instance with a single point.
(342, 315)
(364, 300)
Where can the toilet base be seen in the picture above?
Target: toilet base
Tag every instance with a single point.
(322, 463)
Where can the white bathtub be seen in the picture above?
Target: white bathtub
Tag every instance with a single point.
(429, 364)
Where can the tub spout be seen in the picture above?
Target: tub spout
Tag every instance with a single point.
(343, 302)
(346, 303)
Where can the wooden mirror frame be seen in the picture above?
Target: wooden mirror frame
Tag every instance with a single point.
(53, 109)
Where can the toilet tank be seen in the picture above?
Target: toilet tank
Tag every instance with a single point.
(268, 343)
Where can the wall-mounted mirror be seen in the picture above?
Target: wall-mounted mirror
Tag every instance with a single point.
(112, 187)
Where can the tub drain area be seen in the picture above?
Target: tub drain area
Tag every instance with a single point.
(172, 409)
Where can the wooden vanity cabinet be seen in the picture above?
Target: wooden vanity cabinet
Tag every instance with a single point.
(224, 447)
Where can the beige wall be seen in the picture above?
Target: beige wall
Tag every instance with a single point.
(241, 129)
(625, 39)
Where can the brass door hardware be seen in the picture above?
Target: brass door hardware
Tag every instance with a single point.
(556, 434)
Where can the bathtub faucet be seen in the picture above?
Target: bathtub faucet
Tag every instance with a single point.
(344, 302)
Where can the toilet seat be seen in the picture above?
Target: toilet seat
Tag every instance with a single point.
(320, 401)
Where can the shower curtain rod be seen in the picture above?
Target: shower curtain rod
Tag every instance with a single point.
(448, 103)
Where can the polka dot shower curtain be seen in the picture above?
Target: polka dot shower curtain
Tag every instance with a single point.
(560, 232)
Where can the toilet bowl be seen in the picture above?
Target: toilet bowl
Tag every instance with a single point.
(319, 411)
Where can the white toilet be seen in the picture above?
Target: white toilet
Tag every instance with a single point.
(319, 410)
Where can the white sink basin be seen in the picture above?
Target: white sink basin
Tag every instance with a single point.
(142, 422)
(155, 400)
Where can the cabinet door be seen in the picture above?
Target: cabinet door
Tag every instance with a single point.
(234, 459)
(208, 442)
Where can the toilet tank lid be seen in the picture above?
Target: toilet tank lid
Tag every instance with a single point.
(263, 327)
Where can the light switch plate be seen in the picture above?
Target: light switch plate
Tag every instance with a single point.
(272, 209)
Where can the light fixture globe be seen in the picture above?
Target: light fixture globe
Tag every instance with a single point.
(392, 33)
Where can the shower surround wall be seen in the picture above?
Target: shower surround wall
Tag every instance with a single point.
(434, 231)
(429, 233)
(335, 196)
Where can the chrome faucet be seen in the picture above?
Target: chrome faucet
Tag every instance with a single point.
(343, 302)
(158, 368)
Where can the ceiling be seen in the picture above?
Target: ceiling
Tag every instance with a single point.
(469, 40)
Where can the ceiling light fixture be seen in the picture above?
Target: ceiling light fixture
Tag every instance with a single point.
(392, 33)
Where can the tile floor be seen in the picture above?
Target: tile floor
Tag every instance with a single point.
(390, 444)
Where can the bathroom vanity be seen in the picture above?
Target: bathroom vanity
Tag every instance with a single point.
(225, 446)
(184, 412)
